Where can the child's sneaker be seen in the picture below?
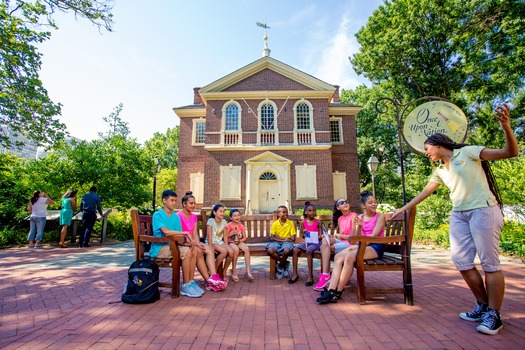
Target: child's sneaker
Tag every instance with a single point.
(476, 314)
(215, 283)
(188, 291)
(280, 273)
(324, 281)
(196, 287)
(285, 269)
(328, 297)
(491, 323)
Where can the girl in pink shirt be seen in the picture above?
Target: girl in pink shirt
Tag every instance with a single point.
(206, 267)
(236, 233)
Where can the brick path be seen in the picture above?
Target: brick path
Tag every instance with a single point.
(59, 298)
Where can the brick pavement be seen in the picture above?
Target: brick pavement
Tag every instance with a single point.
(59, 298)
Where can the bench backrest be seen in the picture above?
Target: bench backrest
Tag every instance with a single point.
(141, 225)
(400, 226)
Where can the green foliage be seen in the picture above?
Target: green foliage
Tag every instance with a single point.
(119, 226)
(319, 211)
(509, 176)
(438, 236)
(166, 180)
(10, 236)
(24, 103)
(165, 147)
(513, 239)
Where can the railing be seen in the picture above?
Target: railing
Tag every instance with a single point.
(267, 138)
(231, 138)
(304, 138)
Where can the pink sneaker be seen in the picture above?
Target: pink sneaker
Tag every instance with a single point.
(324, 281)
(211, 286)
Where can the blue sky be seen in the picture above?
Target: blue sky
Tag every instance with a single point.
(161, 49)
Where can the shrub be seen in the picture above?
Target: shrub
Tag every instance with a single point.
(433, 212)
(119, 225)
(512, 239)
(438, 237)
(10, 236)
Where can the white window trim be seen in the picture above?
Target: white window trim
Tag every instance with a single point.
(340, 124)
(275, 121)
(194, 132)
(295, 126)
(223, 122)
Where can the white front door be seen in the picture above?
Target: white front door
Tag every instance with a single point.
(268, 196)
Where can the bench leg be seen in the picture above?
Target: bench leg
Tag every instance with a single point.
(175, 279)
(272, 268)
(361, 286)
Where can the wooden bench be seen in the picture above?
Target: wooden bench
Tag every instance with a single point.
(143, 234)
(397, 244)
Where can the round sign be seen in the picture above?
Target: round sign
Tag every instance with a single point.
(434, 117)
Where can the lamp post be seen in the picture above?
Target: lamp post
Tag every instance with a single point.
(157, 162)
(372, 164)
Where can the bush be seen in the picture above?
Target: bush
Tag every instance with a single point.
(512, 239)
(438, 237)
(433, 212)
(10, 236)
(119, 225)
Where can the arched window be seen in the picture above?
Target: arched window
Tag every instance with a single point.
(267, 117)
(231, 121)
(268, 176)
(303, 116)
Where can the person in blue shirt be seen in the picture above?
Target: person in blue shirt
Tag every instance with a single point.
(166, 223)
(89, 205)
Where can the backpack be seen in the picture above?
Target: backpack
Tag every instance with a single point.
(143, 283)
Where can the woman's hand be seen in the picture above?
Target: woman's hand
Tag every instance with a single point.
(395, 214)
(502, 113)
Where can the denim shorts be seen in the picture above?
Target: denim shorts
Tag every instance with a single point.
(280, 246)
(339, 246)
(379, 248)
(312, 247)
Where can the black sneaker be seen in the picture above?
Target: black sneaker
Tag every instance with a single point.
(327, 297)
(476, 314)
(491, 323)
(338, 294)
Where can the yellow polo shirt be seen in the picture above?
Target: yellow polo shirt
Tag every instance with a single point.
(283, 231)
(466, 180)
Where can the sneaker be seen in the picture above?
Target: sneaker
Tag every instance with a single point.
(328, 297)
(38, 246)
(196, 287)
(31, 246)
(187, 291)
(324, 281)
(491, 323)
(476, 314)
(211, 286)
(219, 281)
(280, 273)
(286, 268)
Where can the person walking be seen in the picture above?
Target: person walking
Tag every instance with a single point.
(89, 206)
(476, 220)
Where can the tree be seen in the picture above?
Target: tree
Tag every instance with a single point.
(116, 125)
(165, 147)
(25, 106)
(472, 52)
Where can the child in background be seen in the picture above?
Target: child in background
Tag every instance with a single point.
(310, 225)
(167, 224)
(206, 267)
(371, 223)
(236, 233)
(343, 220)
(282, 237)
(215, 237)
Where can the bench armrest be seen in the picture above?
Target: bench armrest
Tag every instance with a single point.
(377, 240)
(144, 238)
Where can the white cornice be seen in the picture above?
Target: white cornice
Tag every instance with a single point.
(344, 110)
(185, 112)
(258, 95)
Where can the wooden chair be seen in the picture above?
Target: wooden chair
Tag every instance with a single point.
(143, 234)
(397, 243)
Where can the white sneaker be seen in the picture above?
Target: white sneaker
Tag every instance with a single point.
(280, 273)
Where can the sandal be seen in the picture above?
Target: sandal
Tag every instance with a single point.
(234, 278)
(249, 276)
(292, 281)
(62, 245)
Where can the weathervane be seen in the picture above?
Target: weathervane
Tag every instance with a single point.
(266, 51)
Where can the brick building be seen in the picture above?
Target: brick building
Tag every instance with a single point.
(268, 135)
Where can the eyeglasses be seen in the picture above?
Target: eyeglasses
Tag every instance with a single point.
(342, 202)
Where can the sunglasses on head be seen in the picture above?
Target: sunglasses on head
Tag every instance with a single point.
(342, 202)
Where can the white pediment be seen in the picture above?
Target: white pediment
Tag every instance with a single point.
(267, 157)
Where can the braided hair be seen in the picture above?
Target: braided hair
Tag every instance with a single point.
(442, 140)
